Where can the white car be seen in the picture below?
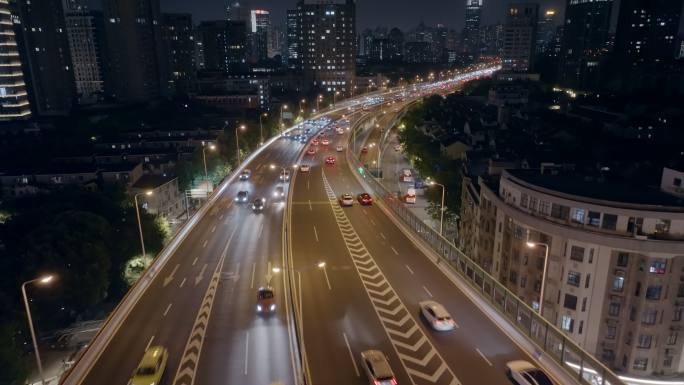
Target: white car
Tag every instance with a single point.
(285, 175)
(436, 315)
(346, 200)
(340, 131)
(339, 148)
(305, 168)
(377, 368)
(524, 373)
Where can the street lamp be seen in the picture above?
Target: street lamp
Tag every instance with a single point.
(335, 97)
(441, 210)
(237, 141)
(301, 110)
(532, 245)
(137, 214)
(204, 158)
(318, 102)
(44, 280)
(261, 127)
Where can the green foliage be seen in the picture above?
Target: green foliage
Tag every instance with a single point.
(13, 364)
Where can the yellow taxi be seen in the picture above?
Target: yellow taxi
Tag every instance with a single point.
(151, 367)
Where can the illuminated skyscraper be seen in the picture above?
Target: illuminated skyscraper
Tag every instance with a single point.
(520, 37)
(471, 38)
(14, 103)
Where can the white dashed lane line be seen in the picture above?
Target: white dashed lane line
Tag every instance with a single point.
(409, 269)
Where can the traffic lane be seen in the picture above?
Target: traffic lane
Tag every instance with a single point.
(477, 350)
(241, 346)
(147, 320)
(339, 323)
(170, 287)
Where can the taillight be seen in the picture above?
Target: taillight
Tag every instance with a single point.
(394, 381)
(376, 382)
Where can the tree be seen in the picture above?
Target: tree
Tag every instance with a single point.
(12, 360)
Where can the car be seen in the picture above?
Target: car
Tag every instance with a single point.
(346, 200)
(339, 148)
(285, 175)
(340, 131)
(315, 142)
(524, 373)
(151, 367)
(311, 151)
(242, 196)
(265, 300)
(279, 192)
(325, 142)
(436, 315)
(245, 174)
(364, 150)
(258, 205)
(365, 199)
(377, 368)
(305, 168)
(330, 160)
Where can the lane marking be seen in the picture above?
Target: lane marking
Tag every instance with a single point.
(213, 229)
(372, 222)
(251, 285)
(182, 283)
(315, 233)
(351, 355)
(171, 276)
(261, 229)
(246, 353)
(167, 309)
(483, 357)
(395, 251)
(327, 280)
(195, 261)
(307, 184)
(427, 291)
(383, 236)
(204, 244)
(220, 217)
(200, 276)
(409, 269)
(149, 343)
(310, 208)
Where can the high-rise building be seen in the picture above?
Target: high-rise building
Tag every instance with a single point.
(136, 69)
(585, 37)
(327, 37)
(293, 58)
(237, 11)
(179, 39)
(520, 36)
(14, 102)
(260, 28)
(492, 39)
(379, 51)
(276, 41)
(213, 36)
(45, 46)
(395, 45)
(236, 45)
(85, 50)
(471, 32)
(546, 28)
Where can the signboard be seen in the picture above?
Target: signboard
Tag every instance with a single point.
(287, 115)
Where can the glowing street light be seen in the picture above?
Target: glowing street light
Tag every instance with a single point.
(533, 245)
(261, 127)
(441, 210)
(137, 214)
(44, 280)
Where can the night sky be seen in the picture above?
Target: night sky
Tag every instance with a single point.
(404, 14)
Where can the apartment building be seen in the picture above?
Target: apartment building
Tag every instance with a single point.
(615, 268)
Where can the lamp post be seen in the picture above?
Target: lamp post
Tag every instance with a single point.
(261, 127)
(282, 107)
(43, 280)
(301, 109)
(237, 141)
(204, 159)
(441, 210)
(318, 102)
(532, 245)
(335, 97)
(137, 214)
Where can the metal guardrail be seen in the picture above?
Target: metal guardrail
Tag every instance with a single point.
(550, 341)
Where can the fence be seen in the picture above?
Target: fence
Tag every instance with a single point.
(549, 340)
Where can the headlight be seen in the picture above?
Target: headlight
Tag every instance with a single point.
(258, 307)
(272, 307)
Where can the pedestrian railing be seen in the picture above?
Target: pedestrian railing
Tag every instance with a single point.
(549, 340)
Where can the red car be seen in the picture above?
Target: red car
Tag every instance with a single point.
(330, 160)
(365, 199)
(364, 150)
(315, 142)
(311, 151)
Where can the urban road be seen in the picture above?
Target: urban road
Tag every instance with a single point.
(201, 305)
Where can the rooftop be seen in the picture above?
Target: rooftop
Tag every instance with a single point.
(619, 192)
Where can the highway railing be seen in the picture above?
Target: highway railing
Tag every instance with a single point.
(549, 340)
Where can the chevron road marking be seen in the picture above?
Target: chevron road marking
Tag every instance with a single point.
(418, 356)
(187, 368)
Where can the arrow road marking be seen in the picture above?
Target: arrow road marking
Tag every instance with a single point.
(200, 275)
(168, 279)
